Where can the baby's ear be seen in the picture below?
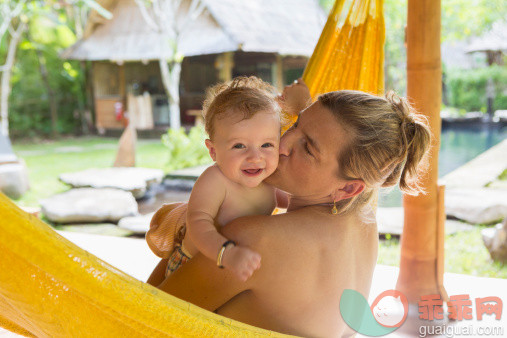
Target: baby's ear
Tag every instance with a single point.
(211, 149)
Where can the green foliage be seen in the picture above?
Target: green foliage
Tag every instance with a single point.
(52, 27)
(186, 150)
(460, 20)
(465, 253)
(467, 88)
(503, 176)
(395, 16)
(29, 110)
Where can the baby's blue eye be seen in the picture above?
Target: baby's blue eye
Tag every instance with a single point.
(267, 145)
(238, 146)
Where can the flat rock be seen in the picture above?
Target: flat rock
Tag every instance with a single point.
(390, 221)
(88, 205)
(136, 224)
(105, 229)
(13, 179)
(189, 173)
(135, 180)
(495, 240)
(476, 206)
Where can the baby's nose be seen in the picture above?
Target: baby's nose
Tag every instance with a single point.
(254, 155)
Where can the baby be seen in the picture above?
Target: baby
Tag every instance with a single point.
(242, 120)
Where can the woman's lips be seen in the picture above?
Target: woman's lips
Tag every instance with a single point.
(251, 172)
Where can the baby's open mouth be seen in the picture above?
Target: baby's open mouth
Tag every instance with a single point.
(251, 172)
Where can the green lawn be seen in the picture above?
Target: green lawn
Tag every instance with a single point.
(46, 160)
(465, 253)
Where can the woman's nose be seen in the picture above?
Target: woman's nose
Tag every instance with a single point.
(285, 146)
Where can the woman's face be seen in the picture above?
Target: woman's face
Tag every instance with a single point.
(308, 164)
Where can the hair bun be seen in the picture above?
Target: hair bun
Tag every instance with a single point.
(400, 105)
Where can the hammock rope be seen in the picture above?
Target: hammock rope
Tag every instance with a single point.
(51, 287)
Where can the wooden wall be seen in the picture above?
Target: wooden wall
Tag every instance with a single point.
(112, 82)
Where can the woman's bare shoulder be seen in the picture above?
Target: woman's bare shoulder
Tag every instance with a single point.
(305, 224)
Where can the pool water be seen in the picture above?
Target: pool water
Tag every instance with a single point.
(459, 145)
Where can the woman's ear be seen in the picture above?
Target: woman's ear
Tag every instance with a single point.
(348, 190)
(211, 149)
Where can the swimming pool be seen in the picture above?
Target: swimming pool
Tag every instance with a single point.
(459, 144)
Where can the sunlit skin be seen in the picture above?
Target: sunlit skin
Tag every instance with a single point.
(309, 255)
(245, 152)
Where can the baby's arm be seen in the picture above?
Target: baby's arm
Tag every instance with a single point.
(207, 196)
(295, 97)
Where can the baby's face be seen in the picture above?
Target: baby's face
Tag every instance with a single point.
(246, 151)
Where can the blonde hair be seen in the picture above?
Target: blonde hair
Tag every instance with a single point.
(245, 95)
(388, 145)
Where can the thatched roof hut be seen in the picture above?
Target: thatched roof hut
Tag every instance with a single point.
(286, 27)
(269, 39)
(493, 43)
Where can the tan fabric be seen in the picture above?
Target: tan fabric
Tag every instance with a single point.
(167, 227)
(176, 259)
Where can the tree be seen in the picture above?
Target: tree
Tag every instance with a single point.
(170, 18)
(15, 18)
(12, 26)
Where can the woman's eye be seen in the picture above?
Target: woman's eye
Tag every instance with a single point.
(238, 146)
(294, 125)
(307, 149)
(267, 145)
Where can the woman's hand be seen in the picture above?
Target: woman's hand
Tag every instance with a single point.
(241, 261)
(295, 97)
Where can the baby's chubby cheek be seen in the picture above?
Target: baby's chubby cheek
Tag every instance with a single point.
(272, 165)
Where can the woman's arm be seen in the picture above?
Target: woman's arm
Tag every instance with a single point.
(158, 274)
(202, 283)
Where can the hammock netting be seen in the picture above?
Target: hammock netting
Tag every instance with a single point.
(50, 287)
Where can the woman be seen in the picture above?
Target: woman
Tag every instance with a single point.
(333, 160)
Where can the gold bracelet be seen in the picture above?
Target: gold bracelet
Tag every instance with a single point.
(221, 253)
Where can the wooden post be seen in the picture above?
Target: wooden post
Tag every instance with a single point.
(126, 154)
(225, 63)
(121, 84)
(420, 251)
(277, 73)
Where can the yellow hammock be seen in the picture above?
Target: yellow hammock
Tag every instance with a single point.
(51, 287)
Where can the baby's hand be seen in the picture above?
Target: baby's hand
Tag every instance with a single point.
(295, 97)
(241, 261)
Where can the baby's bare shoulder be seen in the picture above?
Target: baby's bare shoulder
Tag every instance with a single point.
(212, 172)
(212, 176)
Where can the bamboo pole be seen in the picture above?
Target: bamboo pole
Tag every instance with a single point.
(420, 266)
